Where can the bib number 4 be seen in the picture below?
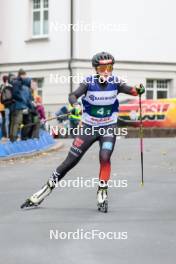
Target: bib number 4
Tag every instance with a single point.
(101, 111)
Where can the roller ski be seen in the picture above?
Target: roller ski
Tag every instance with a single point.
(102, 197)
(37, 198)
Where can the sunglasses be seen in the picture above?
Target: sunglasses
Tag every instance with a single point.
(103, 68)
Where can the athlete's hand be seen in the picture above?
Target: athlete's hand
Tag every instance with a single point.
(140, 89)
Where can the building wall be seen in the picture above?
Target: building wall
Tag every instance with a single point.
(145, 32)
(136, 43)
(140, 33)
(17, 44)
(56, 86)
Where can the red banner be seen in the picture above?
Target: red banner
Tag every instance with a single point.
(155, 113)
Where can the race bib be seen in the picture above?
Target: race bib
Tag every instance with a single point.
(101, 111)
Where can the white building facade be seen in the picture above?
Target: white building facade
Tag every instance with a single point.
(35, 36)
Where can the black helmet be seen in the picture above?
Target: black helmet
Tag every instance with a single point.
(102, 58)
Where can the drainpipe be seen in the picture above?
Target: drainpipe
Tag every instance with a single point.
(71, 43)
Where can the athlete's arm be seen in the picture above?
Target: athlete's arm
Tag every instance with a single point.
(124, 88)
(81, 90)
(137, 90)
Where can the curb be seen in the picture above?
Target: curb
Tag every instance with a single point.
(53, 148)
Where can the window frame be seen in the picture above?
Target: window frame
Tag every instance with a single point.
(39, 90)
(41, 21)
(156, 89)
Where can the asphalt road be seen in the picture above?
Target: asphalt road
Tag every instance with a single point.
(146, 215)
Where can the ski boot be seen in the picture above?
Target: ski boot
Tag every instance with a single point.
(38, 197)
(102, 197)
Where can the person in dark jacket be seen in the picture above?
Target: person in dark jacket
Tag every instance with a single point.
(22, 102)
(6, 111)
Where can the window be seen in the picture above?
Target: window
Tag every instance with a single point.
(150, 83)
(40, 17)
(157, 89)
(162, 88)
(150, 89)
(39, 84)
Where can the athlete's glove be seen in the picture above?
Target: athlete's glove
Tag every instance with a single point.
(140, 89)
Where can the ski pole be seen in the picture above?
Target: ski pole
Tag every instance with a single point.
(55, 117)
(49, 119)
(141, 141)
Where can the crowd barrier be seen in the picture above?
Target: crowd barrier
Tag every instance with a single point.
(27, 146)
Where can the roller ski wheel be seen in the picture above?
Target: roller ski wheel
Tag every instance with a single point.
(103, 207)
(38, 197)
(29, 204)
(102, 197)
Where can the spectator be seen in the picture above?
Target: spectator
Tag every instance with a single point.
(6, 100)
(2, 119)
(74, 117)
(62, 112)
(0, 124)
(31, 124)
(22, 102)
(30, 115)
(11, 77)
(41, 111)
